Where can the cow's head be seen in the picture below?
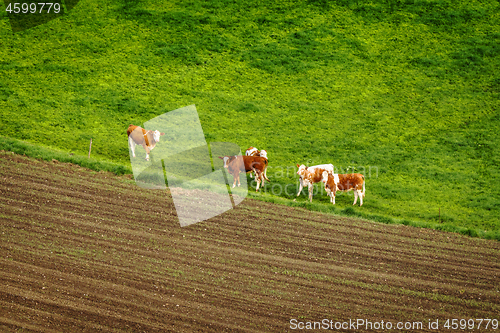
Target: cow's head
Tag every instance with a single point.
(325, 177)
(156, 135)
(263, 153)
(225, 159)
(302, 170)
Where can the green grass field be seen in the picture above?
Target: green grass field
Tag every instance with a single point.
(406, 92)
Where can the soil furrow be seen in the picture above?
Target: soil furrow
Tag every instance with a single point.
(89, 251)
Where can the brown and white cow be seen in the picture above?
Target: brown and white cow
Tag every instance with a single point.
(344, 182)
(311, 175)
(237, 164)
(252, 151)
(139, 136)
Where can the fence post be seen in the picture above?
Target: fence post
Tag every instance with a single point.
(90, 147)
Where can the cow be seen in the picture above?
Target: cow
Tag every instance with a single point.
(311, 175)
(236, 164)
(252, 151)
(139, 136)
(344, 182)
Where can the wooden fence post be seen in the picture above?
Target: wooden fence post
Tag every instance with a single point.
(90, 147)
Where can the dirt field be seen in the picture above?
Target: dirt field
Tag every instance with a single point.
(91, 252)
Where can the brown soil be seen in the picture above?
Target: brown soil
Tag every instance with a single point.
(84, 251)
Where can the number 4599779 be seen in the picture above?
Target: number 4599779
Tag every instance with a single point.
(455, 324)
(32, 8)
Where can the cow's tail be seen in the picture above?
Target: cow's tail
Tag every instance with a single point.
(363, 185)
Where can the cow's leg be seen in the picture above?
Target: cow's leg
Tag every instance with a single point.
(265, 174)
(257, 177)
(236, 179)
(301, 186)
(360, 195)
(147, 151)
(131, 144)
(355, 196)
(310, 187)
(331, 195)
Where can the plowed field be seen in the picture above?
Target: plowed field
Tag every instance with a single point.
(83, 251)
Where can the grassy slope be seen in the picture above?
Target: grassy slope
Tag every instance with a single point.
(409, 89)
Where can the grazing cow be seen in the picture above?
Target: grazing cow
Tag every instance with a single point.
(139, 136)
(344, 182)
(236, 164)
(311, 175)
(252, 151)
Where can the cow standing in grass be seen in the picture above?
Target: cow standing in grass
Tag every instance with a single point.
(252, 151)
(344, 182)
(237, 164)
(139, 136)
(311, 175)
